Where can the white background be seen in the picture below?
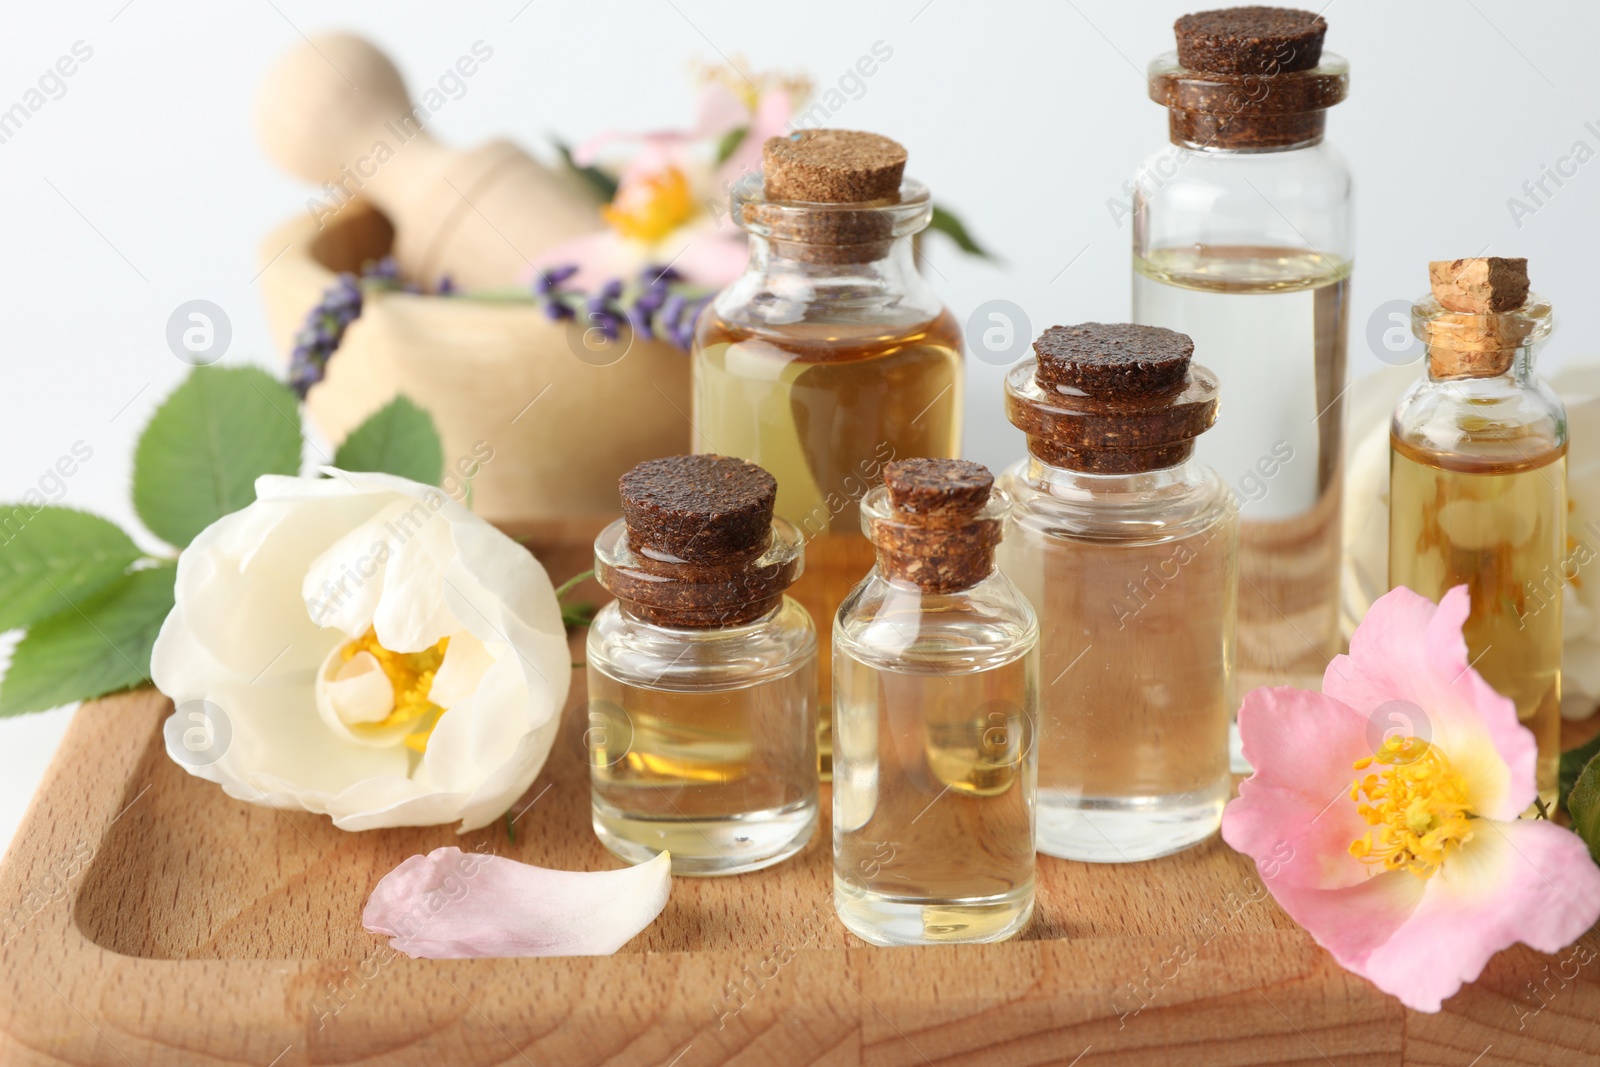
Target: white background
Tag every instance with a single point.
(143, 186)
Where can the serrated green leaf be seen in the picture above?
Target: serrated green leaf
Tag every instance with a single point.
(1584, 807)
(947, 223)
(603, 185)
(100, 645)
(199, 458)
(399, 438)
(1573, 761)
(55, 557)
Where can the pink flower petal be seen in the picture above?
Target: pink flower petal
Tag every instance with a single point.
(451, 904)
(718, 111)
(1409, 650)
(1294, 814)
(1525, 880)
(599, 257)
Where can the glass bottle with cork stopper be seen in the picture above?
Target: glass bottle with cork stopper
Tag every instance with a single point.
(1127, 547)
(830, 355)
(702, 673)
(935, 697)
(1478, 484)
(1242, 240)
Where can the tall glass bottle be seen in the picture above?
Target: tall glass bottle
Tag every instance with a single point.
(1126, 545)
(1242, 240)
(702, 674)
(934, 716)
(830, 355)
(1478, 484)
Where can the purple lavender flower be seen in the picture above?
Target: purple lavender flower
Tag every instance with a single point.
(447, 285)
(546, 282)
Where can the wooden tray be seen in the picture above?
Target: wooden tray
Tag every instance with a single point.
(150, 919)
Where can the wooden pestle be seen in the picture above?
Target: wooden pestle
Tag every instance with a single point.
(335, 111)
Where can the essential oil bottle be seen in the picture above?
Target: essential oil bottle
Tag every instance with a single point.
(1127, 547)
(934, 716)
(830, 355)
(1242, 240)
(1478, 484)
(702, 673)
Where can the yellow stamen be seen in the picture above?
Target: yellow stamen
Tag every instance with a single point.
(650, 207)
(411, 676)
(1418, 806)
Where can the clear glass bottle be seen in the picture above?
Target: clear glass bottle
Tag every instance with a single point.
(1127, 547)
(830, 355)
(702, 673)
(935, 698)
(1477, 490)
(1242, 239)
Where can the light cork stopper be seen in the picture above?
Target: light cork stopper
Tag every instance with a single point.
(1479, 286)
(1476, 336)
(832, 167)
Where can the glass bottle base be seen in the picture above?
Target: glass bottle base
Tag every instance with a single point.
(708, 847)
(1127, 829)
(881, 919)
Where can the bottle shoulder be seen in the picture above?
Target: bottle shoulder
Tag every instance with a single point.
(632, 650)
(896, 625)
(1146, 508)
(1503, 418)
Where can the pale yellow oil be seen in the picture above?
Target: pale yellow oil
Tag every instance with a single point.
(1498, 527)
(823, 408)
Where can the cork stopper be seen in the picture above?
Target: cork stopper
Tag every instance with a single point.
(828, 195)
(1250, 40)
(697, 546)
(1111, 398)
(832, 167)
(936, 523)
(1479, 286)
(1476, 331)
(1248, 78)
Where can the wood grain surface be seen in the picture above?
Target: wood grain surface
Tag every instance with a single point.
(147, 918)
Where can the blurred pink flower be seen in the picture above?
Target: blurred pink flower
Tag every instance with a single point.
(671, 201)
(1410, 862)
(451, 904)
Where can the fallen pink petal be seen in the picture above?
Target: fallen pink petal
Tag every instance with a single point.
(452, 904)
(1410, 864)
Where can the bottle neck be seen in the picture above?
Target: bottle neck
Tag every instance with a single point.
(1507, 367)
(1067, 481)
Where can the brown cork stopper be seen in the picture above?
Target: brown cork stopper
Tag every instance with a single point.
(1250, 40)
(937, 534)
(1477, 335)
(832, 167)
(1479, 286)
(1249, 78)
(699, 509)
(699, 527)
(1114, 360)
(1113, 398)
(810, 169)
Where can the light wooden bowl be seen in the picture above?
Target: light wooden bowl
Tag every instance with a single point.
(498, 377)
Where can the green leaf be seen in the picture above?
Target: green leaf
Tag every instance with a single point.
(730, 142)
(199, 458)
(1573, 761)
(603, 185)
(398, 438)
(1584, 807)
(945, 222)
(98, 646)
(54, 557)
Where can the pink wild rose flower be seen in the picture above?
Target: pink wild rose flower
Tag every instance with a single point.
(1397, 791)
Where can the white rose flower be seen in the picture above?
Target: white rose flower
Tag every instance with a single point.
(367, 648)
(1366, 515)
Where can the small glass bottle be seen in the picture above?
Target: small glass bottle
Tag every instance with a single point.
(830, 355)
(1242, 240)
(1478, 484)
(702, 673)
(1127, 547)
(935, 698)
